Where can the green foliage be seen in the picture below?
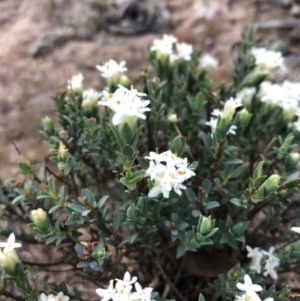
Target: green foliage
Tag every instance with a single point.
(95, 198)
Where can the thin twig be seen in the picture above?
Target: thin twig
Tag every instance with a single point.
(167, 279)
(8, 294)
(56, 176)
(44, 264)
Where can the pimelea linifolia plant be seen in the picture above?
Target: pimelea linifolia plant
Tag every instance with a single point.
(176, 187)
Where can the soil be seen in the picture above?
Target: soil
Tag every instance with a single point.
(43, 41)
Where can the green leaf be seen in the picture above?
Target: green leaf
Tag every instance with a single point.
(201, 298)
(126, 134)
(207, 141)
(117, 135)
(90, 196)
(237, 171)
(212, 205)
(18, 198)
(234, 161)
(137, 176)
(180, 250)
(189, 193)
(126, 183)
(291, 183)
(236, 202)
(258, 170)
(102, 201)
(206, 186)
(176, 145)
(116, 221)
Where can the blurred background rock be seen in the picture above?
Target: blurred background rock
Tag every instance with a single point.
(41, 40)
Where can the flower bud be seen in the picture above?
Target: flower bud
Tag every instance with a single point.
(204, 225)
(48, 125)
(89, 103)
(172, 117)
(8, 260)
(247, 95)
(62, 151)
(124, 81)
(294, 157)
(243, 117)
(230, 107)
(40, 219)
(271, 184)
(76, 83)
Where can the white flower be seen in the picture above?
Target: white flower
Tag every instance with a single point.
(161, 185)
(127, 279)
(111, 68)
(247, 297)
(184, 51)
(248, 287)
(10, 244)
(91, 94)
(153, 170)
(43, 297)
(271, 263)
(123, 291)
(164, 47)
(143, 294)
(106, 294)
(267, 60)
(246, 95)
(128, 105)
(59, 297)
(169, 175)
(230, 107)
(207, 61)
(213, 122)
(271, 93)
(76, 83)
(256, 255)
(296, 229)
(90, 98)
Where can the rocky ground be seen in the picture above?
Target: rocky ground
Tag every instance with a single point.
(42, 40)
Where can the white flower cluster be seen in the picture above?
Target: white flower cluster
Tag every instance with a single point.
(213, 122)
(246, 95)
(267, 60)
(123, 290)
(165, 48)
(128, 105)
(90, 96)
(207, 61)
(285, 95)
(76, 83)
(270, 264)
(168, 172)
(111, 68)
(228, 113)
(250, 290)
(59, 297)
